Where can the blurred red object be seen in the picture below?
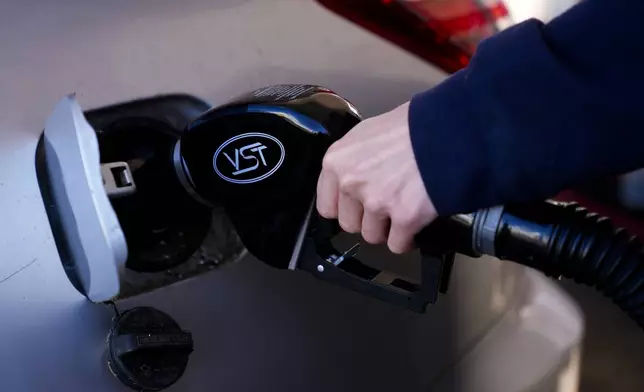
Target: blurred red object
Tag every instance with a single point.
(464, 22)
(443, 32)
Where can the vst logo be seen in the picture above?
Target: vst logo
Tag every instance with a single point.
(248, 158)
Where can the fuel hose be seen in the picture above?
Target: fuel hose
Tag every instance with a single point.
(561, 240)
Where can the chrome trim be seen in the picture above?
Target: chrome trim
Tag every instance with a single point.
(292, 264)
(298, 119)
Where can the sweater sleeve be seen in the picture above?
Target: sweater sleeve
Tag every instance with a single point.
(541, 107)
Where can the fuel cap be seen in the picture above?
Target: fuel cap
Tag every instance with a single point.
(148, 351)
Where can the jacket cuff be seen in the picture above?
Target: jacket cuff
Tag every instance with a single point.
(448, 146)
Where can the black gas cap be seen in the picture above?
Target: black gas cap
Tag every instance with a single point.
(148, 351)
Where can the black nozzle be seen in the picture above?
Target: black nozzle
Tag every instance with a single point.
(259, 157)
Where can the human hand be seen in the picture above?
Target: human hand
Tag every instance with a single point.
(370, 182)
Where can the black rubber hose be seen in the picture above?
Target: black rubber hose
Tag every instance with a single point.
(565, 240)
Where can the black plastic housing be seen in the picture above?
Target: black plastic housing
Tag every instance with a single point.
(266, 192)
(259, 157)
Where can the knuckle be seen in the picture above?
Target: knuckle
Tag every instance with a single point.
(329, 161)
(347, 181)
(403, 219)
(374, 204)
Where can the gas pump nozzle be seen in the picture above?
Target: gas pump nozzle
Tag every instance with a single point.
(259, 157)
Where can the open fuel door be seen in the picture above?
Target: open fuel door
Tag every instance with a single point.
(88, 235)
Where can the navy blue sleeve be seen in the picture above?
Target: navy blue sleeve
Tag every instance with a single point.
(539, 108)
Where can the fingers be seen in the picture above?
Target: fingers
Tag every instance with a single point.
(327, 195)
(401, 238)
(349, 213)
(370, 182)
(374, 228)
